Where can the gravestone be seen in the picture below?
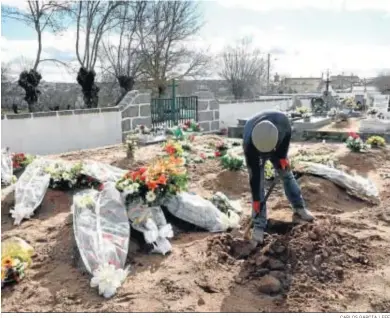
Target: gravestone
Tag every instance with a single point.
(374, 125)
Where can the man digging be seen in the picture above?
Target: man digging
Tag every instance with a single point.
(267, 137)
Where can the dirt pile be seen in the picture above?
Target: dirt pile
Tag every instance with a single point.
(309, 255)
(232, 183)
(324, 196)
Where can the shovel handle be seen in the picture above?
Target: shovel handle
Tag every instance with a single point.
(247, 234)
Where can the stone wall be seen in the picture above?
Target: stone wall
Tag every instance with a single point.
(208, 111)
(135, 110)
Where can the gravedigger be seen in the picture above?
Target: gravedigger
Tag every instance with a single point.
(267, 136)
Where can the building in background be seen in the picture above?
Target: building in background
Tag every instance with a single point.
(344, 81)
(301, 84)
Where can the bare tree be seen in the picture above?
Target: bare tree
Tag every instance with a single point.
(5, 73)
(123, 61)
(382, 82)
(243, 67)
(94, 18)
(40, 15)
(164, 34)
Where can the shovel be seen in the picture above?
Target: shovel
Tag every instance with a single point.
(247, 234)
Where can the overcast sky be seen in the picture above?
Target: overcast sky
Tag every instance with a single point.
(305, 37)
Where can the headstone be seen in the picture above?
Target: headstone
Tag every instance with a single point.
(374, 125)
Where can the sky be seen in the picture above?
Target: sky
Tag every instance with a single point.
(304, 37)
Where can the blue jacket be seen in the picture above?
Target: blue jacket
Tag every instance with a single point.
(252, 155)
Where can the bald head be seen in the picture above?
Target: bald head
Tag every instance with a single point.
(265, 136)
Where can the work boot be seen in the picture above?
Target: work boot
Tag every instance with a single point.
(303, 214)
(258, 235)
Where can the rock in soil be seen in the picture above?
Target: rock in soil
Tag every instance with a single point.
(269, 285)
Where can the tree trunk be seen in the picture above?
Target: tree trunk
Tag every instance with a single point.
(161, 90)
(126, 84)
(86, 80)
(238, 90)
(29, 81)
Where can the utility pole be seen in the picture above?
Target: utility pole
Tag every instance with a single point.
(268, 69)
(327, 83)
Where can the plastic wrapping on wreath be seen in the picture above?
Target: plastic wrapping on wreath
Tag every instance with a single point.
(30, 190)
(222, 202)
(6, 167)
(356, 185)
(194, 209)
(153, 225)
(101, 227)
(102, 171)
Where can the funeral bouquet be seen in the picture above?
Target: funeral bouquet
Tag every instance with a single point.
(173, 148)
(164, 177)
(355, 143)
(376, 141)
(21, 160)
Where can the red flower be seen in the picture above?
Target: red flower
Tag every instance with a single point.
(217, 154)
(15, 165)
(203, 156)
(353, 135)
(142, 170)
(101, 187)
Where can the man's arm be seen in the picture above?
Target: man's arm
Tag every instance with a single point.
(282, 149)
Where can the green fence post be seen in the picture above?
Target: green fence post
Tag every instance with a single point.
(174, 85)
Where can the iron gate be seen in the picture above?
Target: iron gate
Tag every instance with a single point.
(173, 111)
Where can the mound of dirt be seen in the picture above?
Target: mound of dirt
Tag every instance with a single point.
(323, 195)
(232, 183)
(309, 255)
(363, 163)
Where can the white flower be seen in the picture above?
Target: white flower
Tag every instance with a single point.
(136, 186)
(150, 196)
(66, 176)
(108, 279)
(130, 189)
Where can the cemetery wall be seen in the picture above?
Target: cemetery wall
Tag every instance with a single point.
(135, 110)
(208, 111)
(229, 113)
(45, 133)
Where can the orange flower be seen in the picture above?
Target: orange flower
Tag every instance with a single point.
(152, 185)
(6, 262)
(162, 180)
(134, 175)
(170, 149)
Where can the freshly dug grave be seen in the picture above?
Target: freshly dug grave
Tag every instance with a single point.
(323, 265)
(296, 264)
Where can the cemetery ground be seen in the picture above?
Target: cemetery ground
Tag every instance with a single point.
(338, 263)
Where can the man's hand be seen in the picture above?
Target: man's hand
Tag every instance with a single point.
(284, 164)
(256, 206)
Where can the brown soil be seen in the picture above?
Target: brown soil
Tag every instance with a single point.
(307, 267)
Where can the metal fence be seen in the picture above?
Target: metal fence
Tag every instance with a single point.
(171, 112)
